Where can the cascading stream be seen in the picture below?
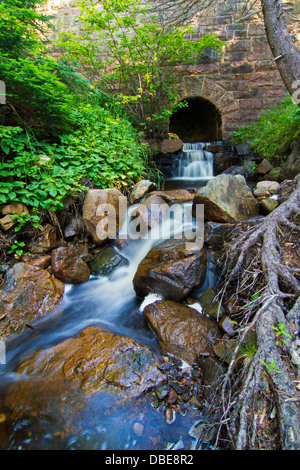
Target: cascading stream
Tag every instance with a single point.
(193, 162)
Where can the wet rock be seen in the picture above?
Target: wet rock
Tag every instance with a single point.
(226, 198)
(138, 429)
(68, 266)
(216, 234)
(171, 270)
(140, 190)
(45, 241)
(211, 307)
(174, 196)
(28, 293)
(276, 174)
(181, 330)
(43, 262)
(104, 262)
(93, 362)
(169, 415)
(212, 371)
(291, 167)
(103, 213)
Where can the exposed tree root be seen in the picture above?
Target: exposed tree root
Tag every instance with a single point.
(258, 400)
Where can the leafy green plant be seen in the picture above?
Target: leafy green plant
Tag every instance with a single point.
(280, 331)
(17, 248)
(271, 367)
(23, 218)
(274, 131)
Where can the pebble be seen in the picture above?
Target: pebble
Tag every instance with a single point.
(169, 415)
(138, 429)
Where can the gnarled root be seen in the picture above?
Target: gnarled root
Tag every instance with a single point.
(258, 400)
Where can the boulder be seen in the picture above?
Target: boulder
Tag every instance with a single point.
(264, 167)
(210, 307)
(94, 361)
(171, 270)
(43, 262)
(174, 196)
(68, 266)
(104, 262)
(103, 213)
(27, 294)
(266, 188)
(182, 330)
(140, 190)
(226, 198)
(45, 241)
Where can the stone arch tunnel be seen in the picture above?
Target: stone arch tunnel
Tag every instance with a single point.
(199, 121)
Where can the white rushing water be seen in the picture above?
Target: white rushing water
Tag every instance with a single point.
(193, 162)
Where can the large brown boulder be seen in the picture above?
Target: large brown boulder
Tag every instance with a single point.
(94, 361)
(28, 293)
(103, 212)
(182, 330)
(68, 266)
(171, 270)
(226, 198)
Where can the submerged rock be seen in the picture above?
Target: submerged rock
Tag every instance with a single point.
(28, 293)
(182, 330)
(226, 198)
(104, 262)
(171, 270)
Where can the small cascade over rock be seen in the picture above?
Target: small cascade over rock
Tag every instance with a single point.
(193, 162)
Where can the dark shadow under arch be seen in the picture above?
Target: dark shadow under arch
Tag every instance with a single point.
(199, 122)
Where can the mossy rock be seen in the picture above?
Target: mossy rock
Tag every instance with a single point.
(106, 261)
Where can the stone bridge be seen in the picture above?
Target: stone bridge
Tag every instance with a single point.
(223, 92)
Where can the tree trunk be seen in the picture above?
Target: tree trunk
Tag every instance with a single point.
(281, 43)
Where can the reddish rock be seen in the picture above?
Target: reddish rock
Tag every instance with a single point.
(28, 293)
(11, 209)
(68, 266)
(42, 263)
(171, 270)
(182, 330)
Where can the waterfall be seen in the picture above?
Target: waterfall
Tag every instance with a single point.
(193, 162)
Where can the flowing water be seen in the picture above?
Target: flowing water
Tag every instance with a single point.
(111, 302)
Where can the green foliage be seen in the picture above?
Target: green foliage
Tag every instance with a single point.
(104, 149)
(17, 248)
(271, 366)
(24, 218)
(127, 51)
(60, 132)
(280, 331)
(274, 131)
